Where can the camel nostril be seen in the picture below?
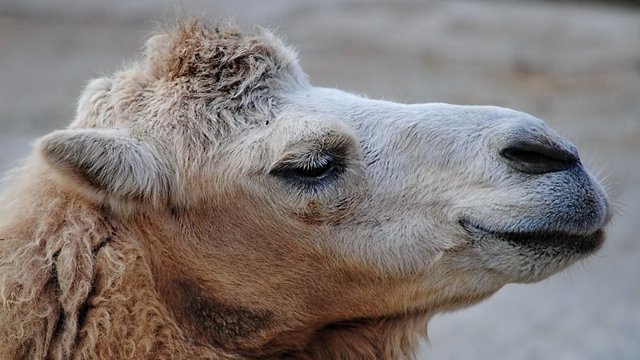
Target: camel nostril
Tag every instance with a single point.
(533, 158)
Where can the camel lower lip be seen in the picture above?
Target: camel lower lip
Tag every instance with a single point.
(576, 243)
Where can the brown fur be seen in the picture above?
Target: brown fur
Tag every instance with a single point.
(73, 285)
(76, 284)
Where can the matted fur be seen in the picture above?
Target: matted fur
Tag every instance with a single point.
(166, 221)
(71, 284)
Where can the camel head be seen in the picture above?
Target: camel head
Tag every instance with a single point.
(278, 216)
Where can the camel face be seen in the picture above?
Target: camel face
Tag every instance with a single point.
(490, 194)
(492, 181)
(297, 207)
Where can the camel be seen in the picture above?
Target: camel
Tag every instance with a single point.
(208, 202)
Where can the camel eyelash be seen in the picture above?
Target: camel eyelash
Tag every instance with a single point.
(310, 170)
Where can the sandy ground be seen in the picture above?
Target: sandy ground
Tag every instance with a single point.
(576, 66)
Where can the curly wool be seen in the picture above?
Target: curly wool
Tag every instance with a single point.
(72, 284)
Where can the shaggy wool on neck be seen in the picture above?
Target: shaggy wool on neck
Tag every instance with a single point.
(73, 285)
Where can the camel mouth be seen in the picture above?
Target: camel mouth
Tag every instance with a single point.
(568, 242)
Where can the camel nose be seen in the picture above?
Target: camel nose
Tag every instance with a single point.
(534, 157)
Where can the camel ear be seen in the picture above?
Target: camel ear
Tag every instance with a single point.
(107, 162)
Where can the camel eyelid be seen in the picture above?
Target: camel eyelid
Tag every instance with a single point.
(312, 171)
(306, 162)
(334, 149)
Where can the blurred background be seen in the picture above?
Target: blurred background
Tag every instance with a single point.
(574, 64)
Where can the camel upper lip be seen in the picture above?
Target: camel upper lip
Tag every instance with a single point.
(580, 243)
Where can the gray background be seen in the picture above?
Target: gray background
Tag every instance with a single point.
(574, 64)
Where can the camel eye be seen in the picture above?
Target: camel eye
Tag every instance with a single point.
(312, 171)
(308, 171)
